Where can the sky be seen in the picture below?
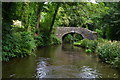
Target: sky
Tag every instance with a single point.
(93, 1)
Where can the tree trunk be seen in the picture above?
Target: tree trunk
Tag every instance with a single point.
(38, 17)
(54, 16)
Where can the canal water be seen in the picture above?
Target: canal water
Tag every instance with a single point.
(60, 61)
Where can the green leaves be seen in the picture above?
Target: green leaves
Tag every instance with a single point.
(90, 45)
(68, 38)
(44, 40)
(109, 52)
(20, 45)
(79, 14)
(112, 21)
(88, 50)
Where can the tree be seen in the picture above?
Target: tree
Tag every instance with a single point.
(79, 14)
(39, 9)
(112, 21)
(54, 16)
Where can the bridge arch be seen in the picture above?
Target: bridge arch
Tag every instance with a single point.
(86, 34)
(73, 34)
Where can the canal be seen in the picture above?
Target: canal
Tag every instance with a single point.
(59, 61)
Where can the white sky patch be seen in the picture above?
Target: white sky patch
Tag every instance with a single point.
(93, 1)
(46, 3)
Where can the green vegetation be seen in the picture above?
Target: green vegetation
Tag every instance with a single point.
(80, 14)
(44, 40)
(70, 38)
(88, 50)
(27, 25)
(17, 44)
(90, 45)
(108, 51)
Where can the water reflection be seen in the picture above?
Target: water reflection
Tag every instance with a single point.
(71, 62)
(61, 61)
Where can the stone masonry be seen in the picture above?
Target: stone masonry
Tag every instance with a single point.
(86, 33)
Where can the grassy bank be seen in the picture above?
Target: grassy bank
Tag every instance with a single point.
(108, 51)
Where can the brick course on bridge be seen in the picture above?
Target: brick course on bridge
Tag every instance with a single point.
(86, 33)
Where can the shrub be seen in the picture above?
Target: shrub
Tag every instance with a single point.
(88, 50)
(68, 39)
(101, 40)
(54, 40)
(92, 45)
(89, 44)
(18, 44)
(77, 37)
(84, 43)
(109, 52)
(26, 42)
(7, 47)
(39, 41)
(78, 43)
(99, 32)
(44, 40)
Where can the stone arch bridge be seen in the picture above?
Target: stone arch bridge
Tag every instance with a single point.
(86, 33)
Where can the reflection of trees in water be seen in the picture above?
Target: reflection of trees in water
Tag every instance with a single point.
(71, 48)
(67, 47)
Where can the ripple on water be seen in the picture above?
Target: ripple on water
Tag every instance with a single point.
(56, 62)
(87, 72)
(64, 71)
(41, 68)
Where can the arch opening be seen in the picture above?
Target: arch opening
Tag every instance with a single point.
(71, 37)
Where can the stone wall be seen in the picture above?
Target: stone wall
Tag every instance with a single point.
(86, 33)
